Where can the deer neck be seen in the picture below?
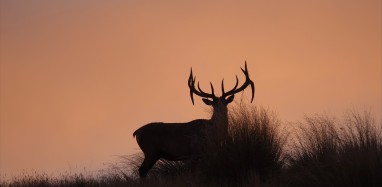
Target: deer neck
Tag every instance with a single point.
(220, 116)
(220, 123)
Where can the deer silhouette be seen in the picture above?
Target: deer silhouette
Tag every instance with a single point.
(182, 141)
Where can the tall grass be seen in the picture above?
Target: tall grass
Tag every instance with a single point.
(37, 179)
(252, 150)
(332, 152)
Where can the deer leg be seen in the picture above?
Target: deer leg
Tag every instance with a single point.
(147, 164)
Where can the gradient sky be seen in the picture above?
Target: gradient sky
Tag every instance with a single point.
(78, 77)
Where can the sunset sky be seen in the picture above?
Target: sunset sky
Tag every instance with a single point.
(78, 77)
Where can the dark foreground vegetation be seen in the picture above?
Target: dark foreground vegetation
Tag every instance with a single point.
(260, 151)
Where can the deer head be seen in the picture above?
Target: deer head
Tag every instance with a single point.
(219, 104)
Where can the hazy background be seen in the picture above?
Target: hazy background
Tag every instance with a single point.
(78, 77)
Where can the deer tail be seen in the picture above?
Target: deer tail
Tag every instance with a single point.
(135, 133)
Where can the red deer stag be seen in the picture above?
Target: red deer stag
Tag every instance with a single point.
(180, 141)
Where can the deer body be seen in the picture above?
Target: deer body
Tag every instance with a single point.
(178, 141)
(182, 141)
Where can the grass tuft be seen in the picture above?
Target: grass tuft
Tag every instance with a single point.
(253, 149)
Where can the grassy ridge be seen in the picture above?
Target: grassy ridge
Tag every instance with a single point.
(321, 151)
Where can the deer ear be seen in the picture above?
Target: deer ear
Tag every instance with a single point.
(207, 101)
(229, 99)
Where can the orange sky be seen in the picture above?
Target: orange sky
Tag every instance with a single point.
(78, 77)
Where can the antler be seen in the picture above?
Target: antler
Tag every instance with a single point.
(241, 88)
(199, 92)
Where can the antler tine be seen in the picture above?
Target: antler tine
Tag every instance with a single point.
(190, 85)
(253, 90)
(248, 82)
(212, 95)
(212, 89)
(245, 70)
(237, 82)
(200, 92)
(223, 87)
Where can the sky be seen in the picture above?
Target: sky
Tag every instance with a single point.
(78, 77)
